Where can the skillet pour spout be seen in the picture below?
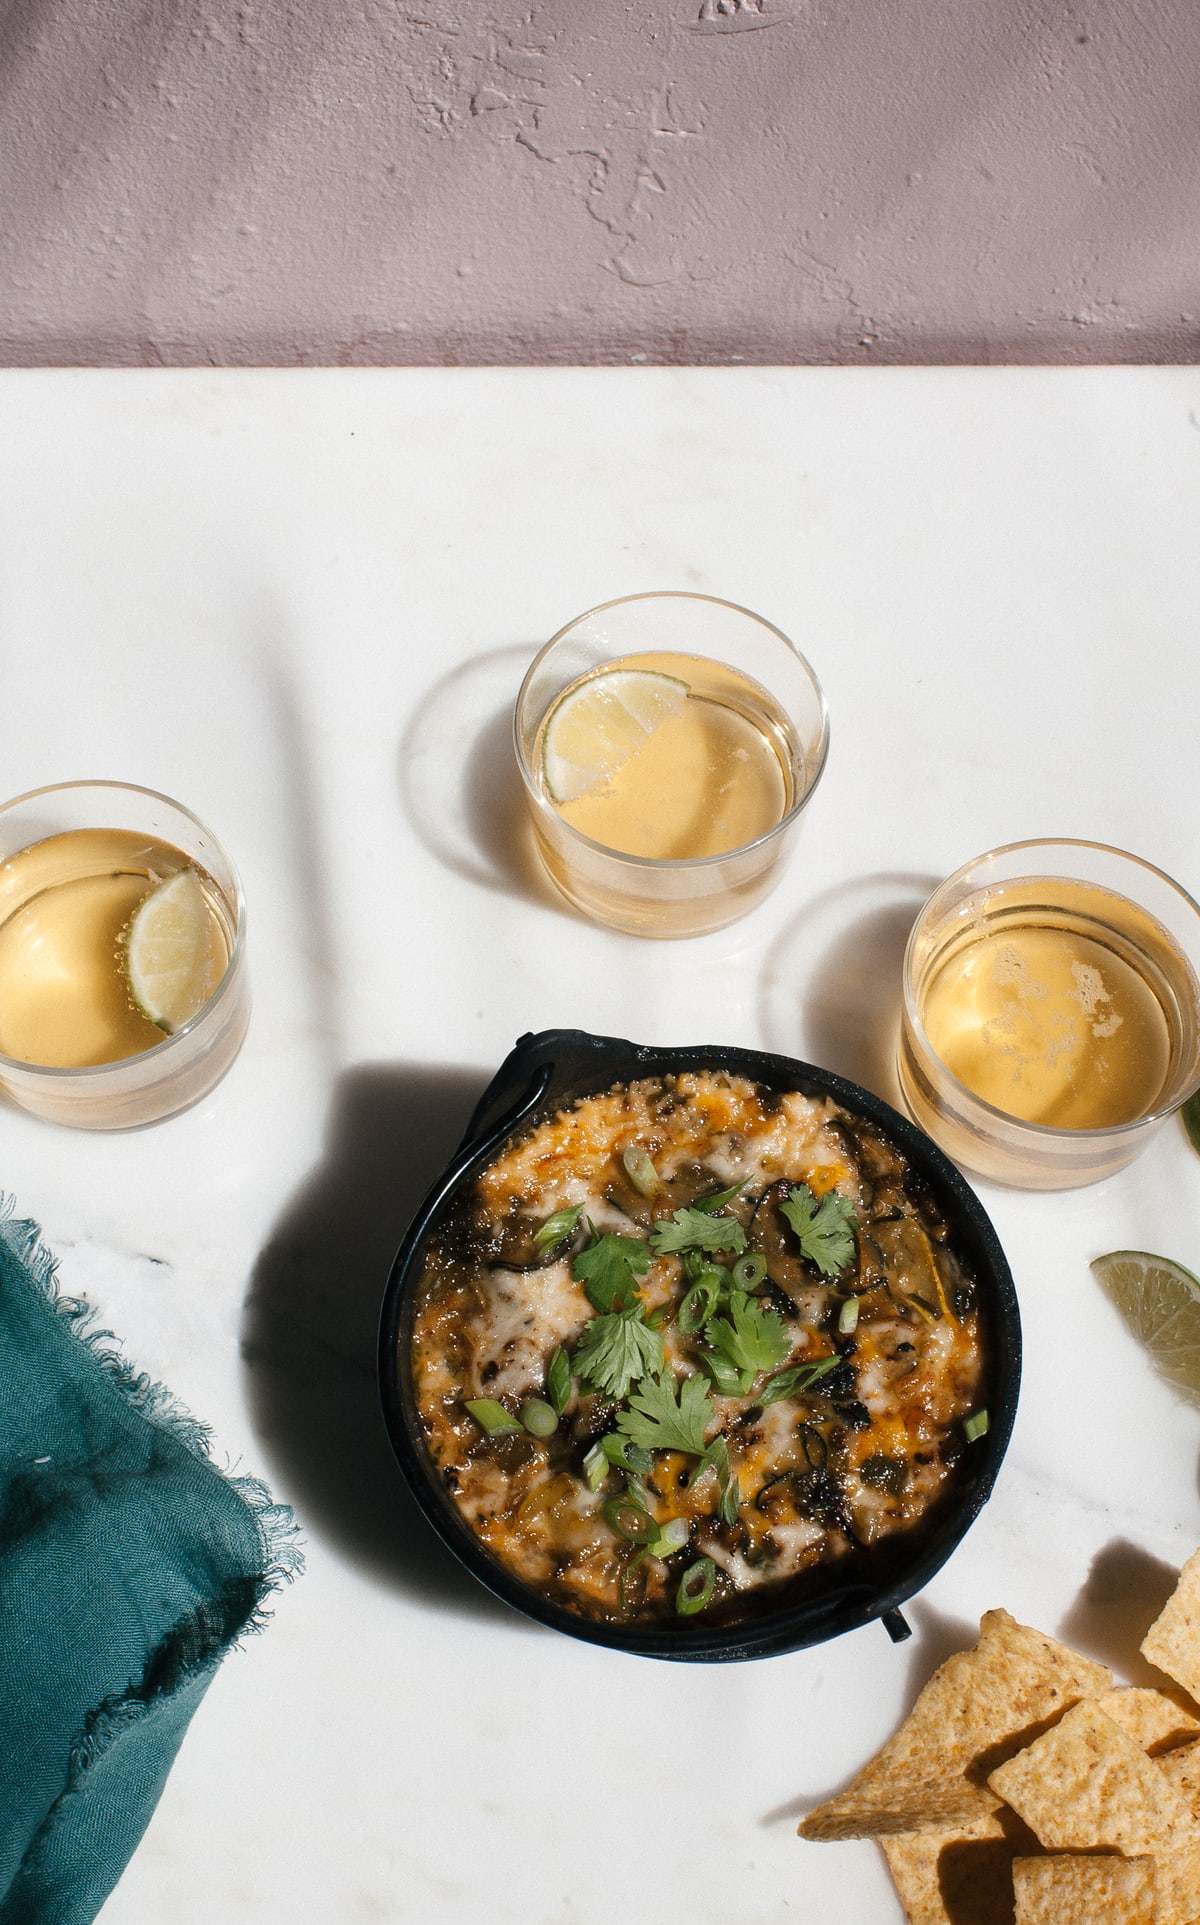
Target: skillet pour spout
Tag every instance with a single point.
(551, 1070)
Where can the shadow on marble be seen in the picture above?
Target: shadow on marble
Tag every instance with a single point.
(459, 782)
(830, 986)
(310, 1324)
(1124, 1592)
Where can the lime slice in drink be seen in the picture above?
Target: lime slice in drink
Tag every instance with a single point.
(1160, 1301)
(172, 958)
(599, 725)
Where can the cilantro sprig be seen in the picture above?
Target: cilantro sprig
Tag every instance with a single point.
(751, 1338)
(825, 1232)
(697, 1229)
(616, 1350)
(668, 1414)
(609, 1267)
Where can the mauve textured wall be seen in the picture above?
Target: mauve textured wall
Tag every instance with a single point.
(386, 181)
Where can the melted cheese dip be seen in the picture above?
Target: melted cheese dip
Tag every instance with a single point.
(819, 1477)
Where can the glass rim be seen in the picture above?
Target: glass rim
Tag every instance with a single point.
(55, 1072)
(989, 1112)
(674, 865)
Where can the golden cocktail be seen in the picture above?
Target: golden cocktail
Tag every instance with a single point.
(1051, 1012)
(668, 744)
(123, 993)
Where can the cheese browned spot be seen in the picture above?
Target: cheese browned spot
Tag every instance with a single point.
(839, 1471)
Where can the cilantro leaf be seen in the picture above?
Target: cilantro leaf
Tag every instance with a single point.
(608, 1270)
(697, 1229)
(615, 1350)
(751, 1338)
(659, 1418)
(826, 1234)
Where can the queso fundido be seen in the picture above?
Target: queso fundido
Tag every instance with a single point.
(686, 1344)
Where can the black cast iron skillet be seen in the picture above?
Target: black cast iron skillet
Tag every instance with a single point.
(541, 1074)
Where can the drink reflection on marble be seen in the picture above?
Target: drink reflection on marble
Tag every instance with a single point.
(668, 744)
(1051, 1012)
(123, 989)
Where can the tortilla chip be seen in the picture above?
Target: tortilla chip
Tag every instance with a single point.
(1173, 1640)
(1087, 1785)
(1177, 1883)
(1154, 1720)
(980, 1707)
(1182, 1769)
(958, 1877)
(1083, 1891)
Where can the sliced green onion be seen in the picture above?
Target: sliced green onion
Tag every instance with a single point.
(848, 1316)
(719, 1199)
(796, 1380)
(975, 1426)
(637, 1493)
(557, 1228)
(539, 1418)
(595, 1467)
(750, 1270)
(640, 1170)
(625, 1454)
(672, 1537)
(695, 1587)
(630, 1521)
(725, 1376)
(731, 1500)
(492, 1416)
(700, 1302)
(558, 1380)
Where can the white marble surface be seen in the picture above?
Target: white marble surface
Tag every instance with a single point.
(302, 602)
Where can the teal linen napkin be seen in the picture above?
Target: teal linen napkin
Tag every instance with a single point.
(128, 1566)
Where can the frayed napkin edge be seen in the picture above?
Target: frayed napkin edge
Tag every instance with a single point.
(279, 1534)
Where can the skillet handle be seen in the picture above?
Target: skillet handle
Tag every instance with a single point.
(539, 1067)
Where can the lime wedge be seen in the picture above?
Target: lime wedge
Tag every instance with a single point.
(598, 725)
(172, 957)
(1191, 1119)
(1160, 1301)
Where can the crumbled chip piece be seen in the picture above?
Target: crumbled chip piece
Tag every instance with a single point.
(1177, 1888)
(1173, 1640)
(1182, 1769)
(1086, 1785)
(1084, 1891)
(1154, 1720)
(959, 1877)
(980, 1707)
